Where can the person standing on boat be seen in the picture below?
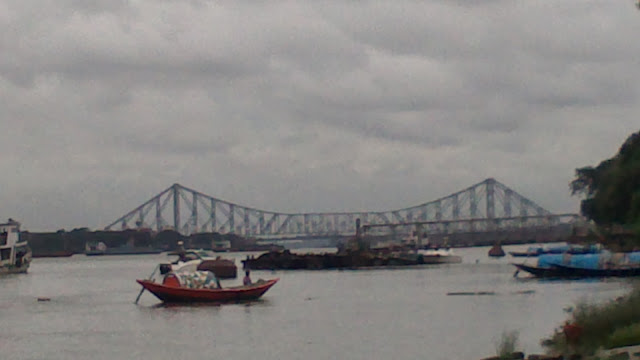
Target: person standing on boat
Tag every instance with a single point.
(212, 278)
(247, 279)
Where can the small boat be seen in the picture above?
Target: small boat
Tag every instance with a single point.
(52, 254)
(92, 249)
(437, 256)
(199, 287)
(15, 254)
(496, 251)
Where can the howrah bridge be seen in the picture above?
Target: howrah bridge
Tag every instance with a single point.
(486, 207)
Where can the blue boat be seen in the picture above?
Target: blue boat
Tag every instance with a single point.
(604, 264)
(535, 251)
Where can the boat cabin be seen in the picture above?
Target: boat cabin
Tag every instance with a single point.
(11, 246)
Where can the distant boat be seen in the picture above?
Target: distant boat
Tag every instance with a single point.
(15, 254)
(55, 253)
(438, 256)
(496, 251)
(100, 248)
(221, 246)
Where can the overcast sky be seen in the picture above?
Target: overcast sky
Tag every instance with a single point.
(298, 106)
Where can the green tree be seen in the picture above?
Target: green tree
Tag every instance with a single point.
(611, 190)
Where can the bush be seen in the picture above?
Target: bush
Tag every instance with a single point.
(625, 336)
(507, 345)
(615, 322)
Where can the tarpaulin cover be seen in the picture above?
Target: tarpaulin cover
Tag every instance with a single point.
(586, 261)
(634, 257)
(545, 261)
(558, 249)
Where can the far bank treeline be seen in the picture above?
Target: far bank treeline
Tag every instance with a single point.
(611, 195)
(43, 244)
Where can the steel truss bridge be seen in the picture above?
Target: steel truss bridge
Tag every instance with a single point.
(488, 206)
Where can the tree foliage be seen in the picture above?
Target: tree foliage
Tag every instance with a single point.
(611, 190)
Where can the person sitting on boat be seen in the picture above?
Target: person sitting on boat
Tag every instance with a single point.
(247, 279)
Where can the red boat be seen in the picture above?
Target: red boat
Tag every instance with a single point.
(171, 291)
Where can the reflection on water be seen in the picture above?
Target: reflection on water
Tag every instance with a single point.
(246, 303)
(370, 314)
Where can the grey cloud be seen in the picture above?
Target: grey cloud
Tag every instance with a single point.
(306, 106)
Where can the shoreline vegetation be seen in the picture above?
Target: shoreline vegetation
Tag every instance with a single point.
(592, 332)
(611, 203)
(594, 328)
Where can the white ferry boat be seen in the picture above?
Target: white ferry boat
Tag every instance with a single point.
(15, 254)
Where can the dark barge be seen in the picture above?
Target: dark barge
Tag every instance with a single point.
(286, 260)
(355, 253)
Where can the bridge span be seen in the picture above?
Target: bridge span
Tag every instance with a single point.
(488, 206)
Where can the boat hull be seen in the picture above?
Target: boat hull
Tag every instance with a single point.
(571, 272)
(543, 272)
(611, 272)
(170, 294)
(5, 270)
(51, 254)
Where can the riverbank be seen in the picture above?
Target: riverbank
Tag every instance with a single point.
(608, 330)
(595, 328)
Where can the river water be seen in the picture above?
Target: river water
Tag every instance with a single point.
(363, 314)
